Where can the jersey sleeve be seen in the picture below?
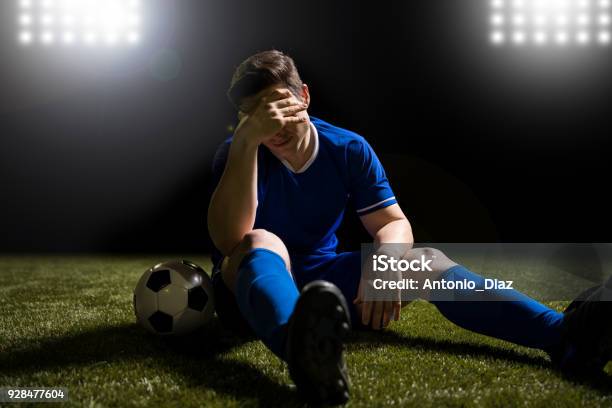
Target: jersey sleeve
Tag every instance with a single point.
(369, 187)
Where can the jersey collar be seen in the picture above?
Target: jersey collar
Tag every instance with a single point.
(312, 158)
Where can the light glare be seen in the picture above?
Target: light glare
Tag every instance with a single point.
(25, 19)
(497, 37)
(89, 22)
(47, 37)
(539, 22)
(583, 37)
(561, 38)
(518, 37)
(540, 37)
(497, 19)
(133, 38)
(25, 37)
(561, 19)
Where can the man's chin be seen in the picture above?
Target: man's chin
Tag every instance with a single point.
(281, 146)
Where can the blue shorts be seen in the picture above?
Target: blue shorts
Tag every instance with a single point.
(342, 269)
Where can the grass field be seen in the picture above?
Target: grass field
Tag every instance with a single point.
(68, 321)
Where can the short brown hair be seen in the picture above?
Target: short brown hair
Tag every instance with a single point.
(262, 70)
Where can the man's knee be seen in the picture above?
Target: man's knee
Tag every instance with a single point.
(261, 238)
(258, 238)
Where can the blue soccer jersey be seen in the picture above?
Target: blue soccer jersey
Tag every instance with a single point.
(304, 207)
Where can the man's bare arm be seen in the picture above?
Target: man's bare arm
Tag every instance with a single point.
(231, 212)
(386, 226)
(232, 209)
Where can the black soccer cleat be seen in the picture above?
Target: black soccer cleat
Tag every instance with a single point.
(581, 298)
(315, 344)
(587, 333)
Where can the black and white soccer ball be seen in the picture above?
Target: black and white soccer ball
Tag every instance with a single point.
(174, 298)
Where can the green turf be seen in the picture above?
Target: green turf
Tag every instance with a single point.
(68, 321)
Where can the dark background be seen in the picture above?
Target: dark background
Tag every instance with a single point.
(110, 149)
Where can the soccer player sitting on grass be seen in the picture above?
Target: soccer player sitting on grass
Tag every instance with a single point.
(283, 181)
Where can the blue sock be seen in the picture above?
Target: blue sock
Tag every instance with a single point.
(266, 295)
(503, 314)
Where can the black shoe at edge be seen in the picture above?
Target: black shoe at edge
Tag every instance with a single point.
(587, 333)
(315, 344)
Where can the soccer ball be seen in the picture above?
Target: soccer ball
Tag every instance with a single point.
(174, 298)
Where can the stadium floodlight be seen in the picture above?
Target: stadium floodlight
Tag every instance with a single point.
(549, 22)
(87, 22)
(497, 37)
